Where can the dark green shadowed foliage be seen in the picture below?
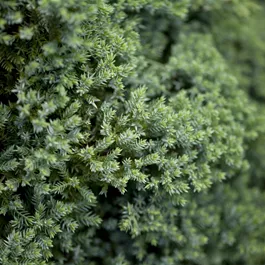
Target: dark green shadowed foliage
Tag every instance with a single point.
(132, 132)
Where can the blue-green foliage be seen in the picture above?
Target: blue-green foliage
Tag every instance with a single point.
(131, 132)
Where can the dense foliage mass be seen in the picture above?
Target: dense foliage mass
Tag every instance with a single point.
(132, 132)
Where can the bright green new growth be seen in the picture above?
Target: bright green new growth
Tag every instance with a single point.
(130, 134)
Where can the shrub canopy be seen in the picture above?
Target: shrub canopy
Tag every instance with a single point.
(132, 132)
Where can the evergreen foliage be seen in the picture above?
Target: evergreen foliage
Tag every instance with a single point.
(132, 132)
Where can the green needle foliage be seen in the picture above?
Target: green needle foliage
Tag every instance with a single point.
(132, 132)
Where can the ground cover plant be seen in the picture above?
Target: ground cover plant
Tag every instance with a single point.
(132, 132)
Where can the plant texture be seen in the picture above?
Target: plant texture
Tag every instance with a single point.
(132, 132)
